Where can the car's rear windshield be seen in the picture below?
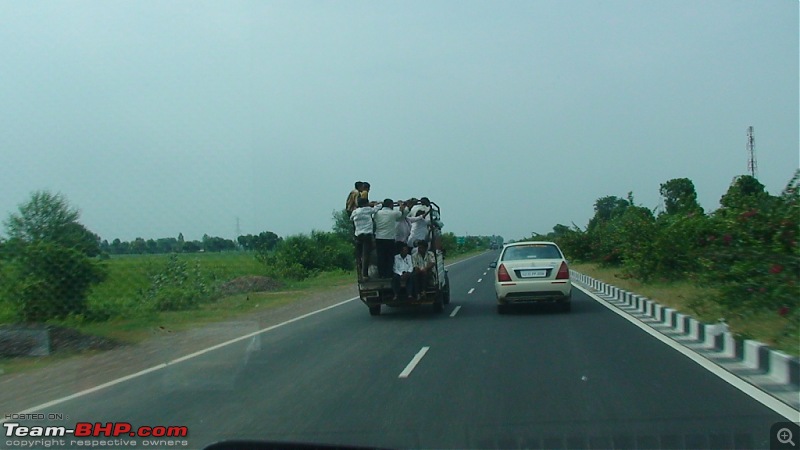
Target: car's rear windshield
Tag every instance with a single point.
(532, 251)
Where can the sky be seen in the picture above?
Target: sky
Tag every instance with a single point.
(155, 118)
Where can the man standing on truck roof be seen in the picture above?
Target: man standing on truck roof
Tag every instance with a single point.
(386, 219)
(352, 198)
(364, 190)
(362, 219)
(403, 271)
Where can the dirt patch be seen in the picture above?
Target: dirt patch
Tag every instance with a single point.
(247, 284)
(22, 340)
(67, 339)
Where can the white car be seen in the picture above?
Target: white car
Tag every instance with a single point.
(532, 272)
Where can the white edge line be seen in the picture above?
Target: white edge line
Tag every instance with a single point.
(414, 361)
(175, 361)
(757, 394)
(465, 259)
(471, 291)
(455, 311)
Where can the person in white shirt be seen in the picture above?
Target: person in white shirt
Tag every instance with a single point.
(386, 219)
(403, 271)
(402, 230)
(422, 205)
(362, 219)
(419, 228)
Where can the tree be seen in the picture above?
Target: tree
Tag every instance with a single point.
(606, 208)
(266, 240)
(47, 217)
(680, 197)
(139, 246)
(191, 246)
(342, 226)
(49, 253)
(745, 192)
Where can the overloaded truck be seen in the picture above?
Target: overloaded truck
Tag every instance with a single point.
(376, 292)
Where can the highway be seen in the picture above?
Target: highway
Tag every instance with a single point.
(466, 378)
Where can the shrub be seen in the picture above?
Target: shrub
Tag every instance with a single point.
(175, 287)
(54, 281)
(300, 256)
(752, 254)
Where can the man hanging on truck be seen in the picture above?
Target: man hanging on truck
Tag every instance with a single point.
(419, 227)
(386, 218)
(362, 218)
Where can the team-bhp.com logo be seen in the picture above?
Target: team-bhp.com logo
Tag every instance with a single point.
(86, 429)
(121, 434)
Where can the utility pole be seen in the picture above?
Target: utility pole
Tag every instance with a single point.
(238, 233)
(752, 166)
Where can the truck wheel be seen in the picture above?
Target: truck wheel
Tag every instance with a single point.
(447, 290)
(438, 304)
(567, 305)
(375, 310)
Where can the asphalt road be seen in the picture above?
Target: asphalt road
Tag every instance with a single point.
(536, 378)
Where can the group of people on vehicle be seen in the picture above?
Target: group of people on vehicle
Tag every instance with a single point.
(394, 233)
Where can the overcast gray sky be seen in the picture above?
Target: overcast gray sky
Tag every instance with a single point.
(160, 117)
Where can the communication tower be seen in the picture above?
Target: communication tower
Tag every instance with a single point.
(752, 166)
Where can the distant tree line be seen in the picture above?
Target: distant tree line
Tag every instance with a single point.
(266, 240)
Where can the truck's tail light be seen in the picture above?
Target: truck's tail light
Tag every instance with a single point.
(502, 274)
(563, 272)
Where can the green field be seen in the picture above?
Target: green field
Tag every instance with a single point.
(130, 275)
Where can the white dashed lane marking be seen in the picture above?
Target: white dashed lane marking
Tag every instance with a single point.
(455, 311)
(471, 291)
(407, 371)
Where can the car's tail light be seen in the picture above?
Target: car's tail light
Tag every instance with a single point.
(563, 272)
(502, 274)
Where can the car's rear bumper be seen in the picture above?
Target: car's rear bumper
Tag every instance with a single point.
(526, 293)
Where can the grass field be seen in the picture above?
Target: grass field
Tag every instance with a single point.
(694, 300)
(130, 275)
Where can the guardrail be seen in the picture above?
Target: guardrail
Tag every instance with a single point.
(772, 371)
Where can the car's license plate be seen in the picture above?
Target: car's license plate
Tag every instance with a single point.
(533, 273)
